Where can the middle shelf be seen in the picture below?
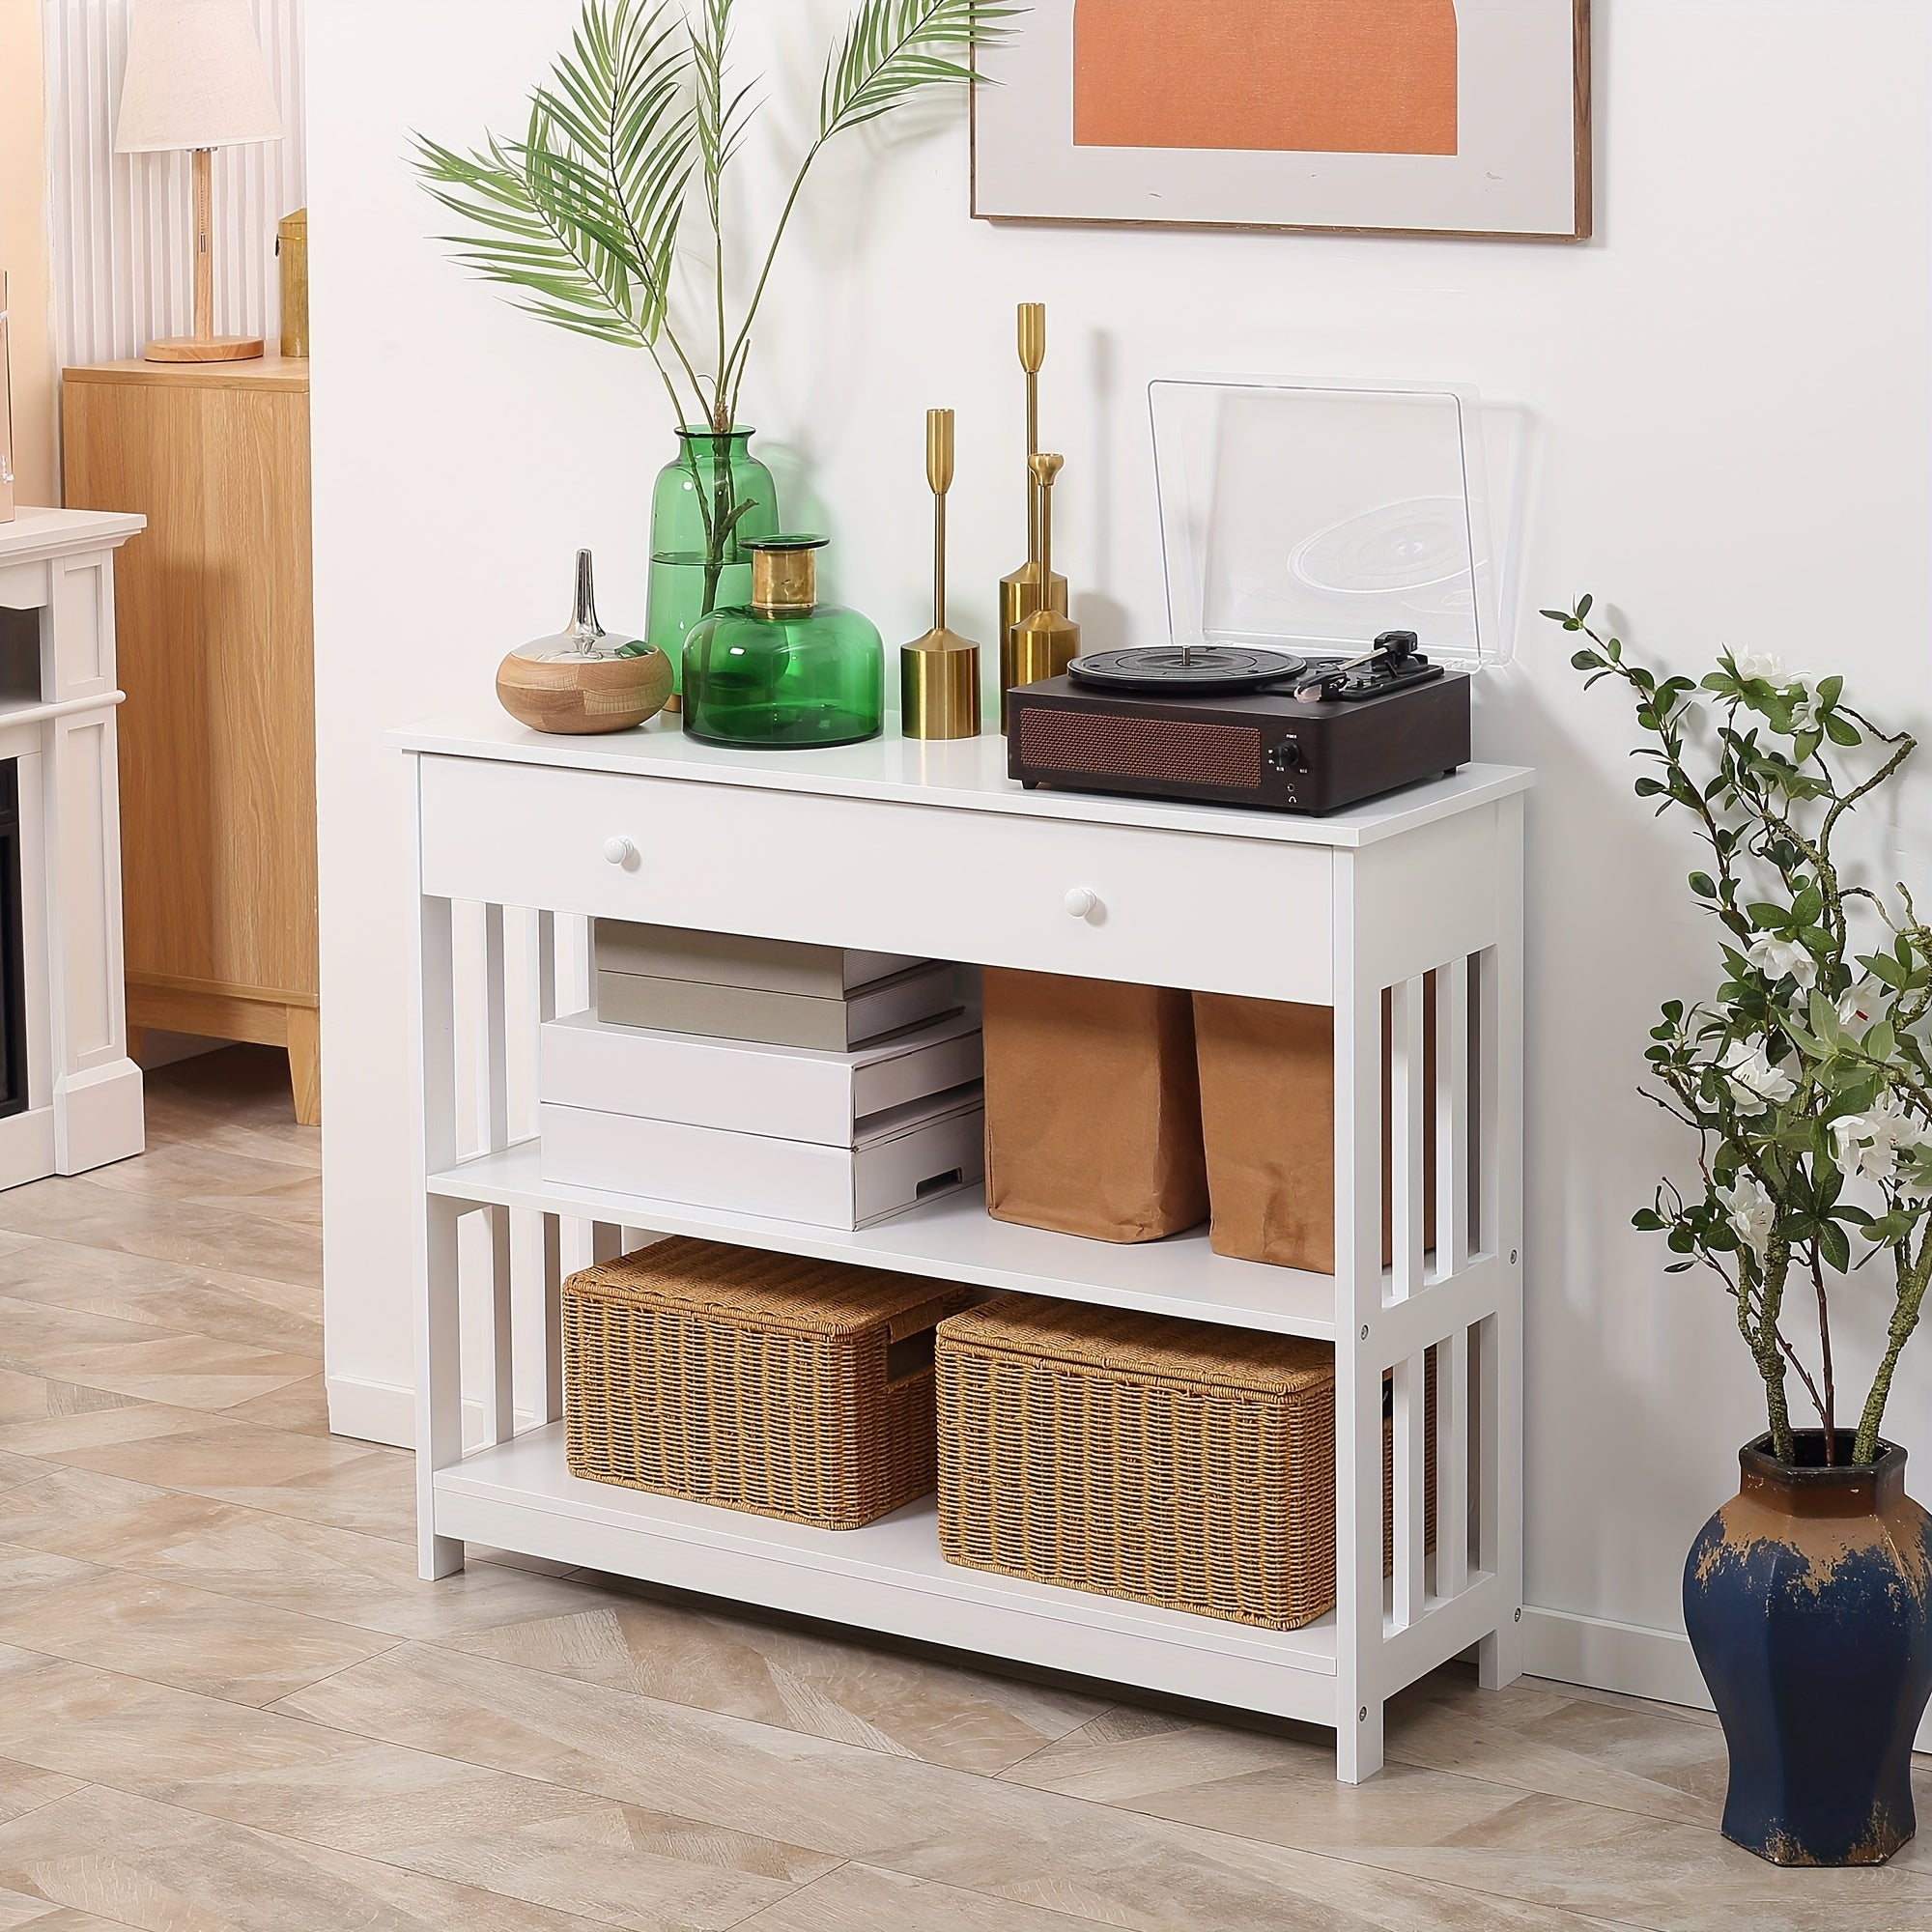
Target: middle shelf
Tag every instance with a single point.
(953, 1238)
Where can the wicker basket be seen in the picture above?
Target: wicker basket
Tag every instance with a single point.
(787, 1387)
(1173, 1463)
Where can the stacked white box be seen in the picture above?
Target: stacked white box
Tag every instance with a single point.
(836, 1139)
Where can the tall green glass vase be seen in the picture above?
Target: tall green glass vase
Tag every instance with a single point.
(713, 484)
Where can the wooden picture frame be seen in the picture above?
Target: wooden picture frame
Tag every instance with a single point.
(1471, 117)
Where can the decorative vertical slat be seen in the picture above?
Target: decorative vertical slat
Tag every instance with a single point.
(438, 1344)
(543, 1350)
(1489, 1209)
(553, 1317)
(1499, 1658)
(1489, 1122)
(1408, 1403)
(1452, 1464)
(1452, 1119)
(1407, 1098)
(1362, 1684)
(499, 1405)
(547, 942)
(493, 1072)
(500, 1400)
(122, 242)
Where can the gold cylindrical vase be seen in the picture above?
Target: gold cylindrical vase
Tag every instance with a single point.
(292, 258)
(939, 687)
(1044, 646)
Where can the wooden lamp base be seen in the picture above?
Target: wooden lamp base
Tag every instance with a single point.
(196, 348)
(204, 345)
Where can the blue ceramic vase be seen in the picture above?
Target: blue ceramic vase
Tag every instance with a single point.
(1808, 1601)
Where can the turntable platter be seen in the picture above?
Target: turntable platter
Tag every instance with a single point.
(1176, 669)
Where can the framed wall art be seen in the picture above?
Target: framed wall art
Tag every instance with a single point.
(1447, 117)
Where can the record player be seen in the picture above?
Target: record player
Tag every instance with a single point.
(1329, 579)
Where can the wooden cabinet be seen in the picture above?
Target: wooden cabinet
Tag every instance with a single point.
(218, 735)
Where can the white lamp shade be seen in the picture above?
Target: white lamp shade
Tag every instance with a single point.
(195, 78)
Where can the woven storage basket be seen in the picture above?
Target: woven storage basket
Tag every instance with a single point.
(788, 1387)
(1174, 1462)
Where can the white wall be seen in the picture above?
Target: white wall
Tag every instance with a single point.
(1731, 389)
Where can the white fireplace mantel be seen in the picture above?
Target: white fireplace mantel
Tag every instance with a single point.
(58, 694)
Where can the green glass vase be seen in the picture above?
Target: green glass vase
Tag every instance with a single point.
(712, 477)
(784, 669)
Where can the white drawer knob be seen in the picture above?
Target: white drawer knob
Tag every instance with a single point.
(1081, 903)
(619, 851)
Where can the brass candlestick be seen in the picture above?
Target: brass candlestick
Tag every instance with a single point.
(939, 674)
(1048, 641)
(1030, 588)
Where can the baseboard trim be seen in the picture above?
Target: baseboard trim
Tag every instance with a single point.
(372, 1411)
(1640, 1662)
(386, 1413)
(1570, 1648)
(1561, 1645)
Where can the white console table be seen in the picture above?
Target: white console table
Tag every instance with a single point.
(928, 849)
(58, 694)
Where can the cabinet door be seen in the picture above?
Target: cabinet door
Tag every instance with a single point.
(217, 736)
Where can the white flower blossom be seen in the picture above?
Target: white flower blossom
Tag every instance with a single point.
(1860, 1009)
(1804, 714)
(1751, 665)
(1869, 1144)
(1775, 958)
(1751, 1212)
(1755, 1084)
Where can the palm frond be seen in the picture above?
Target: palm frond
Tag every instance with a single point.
(895, 47)
(721, 123)
(620, 101)
(525, 234)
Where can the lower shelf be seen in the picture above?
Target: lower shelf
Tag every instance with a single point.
(889, 1577)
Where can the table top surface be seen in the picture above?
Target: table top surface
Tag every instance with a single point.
(253, 372)
(967, 774)
(40, 533)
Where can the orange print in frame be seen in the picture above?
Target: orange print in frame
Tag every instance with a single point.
(1297, 76)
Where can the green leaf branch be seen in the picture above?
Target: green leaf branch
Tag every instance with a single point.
(642, 118)
(1808, 1076)
(641, 115)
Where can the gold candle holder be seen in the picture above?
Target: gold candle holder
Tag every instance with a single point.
(1030, 588)
(1048, 641)
(939, 673)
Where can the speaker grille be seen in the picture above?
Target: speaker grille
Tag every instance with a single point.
(1186, 750)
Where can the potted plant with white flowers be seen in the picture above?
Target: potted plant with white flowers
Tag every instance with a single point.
(1805, 1078)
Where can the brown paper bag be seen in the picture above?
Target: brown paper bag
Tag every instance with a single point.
(1267, 1108)
(1092, 1107)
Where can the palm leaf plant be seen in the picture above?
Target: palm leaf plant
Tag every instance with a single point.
(1808, 1078)
(635, 131)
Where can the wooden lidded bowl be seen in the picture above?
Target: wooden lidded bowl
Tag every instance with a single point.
(578, 693)
(583, 679)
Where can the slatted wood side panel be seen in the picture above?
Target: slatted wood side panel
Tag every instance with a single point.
(119, 223)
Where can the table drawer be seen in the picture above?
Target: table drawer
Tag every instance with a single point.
(1168, 908)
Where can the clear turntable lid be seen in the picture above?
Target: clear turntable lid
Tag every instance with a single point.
(1311, 517)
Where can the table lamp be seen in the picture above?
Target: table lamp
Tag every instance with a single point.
(196, 79)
